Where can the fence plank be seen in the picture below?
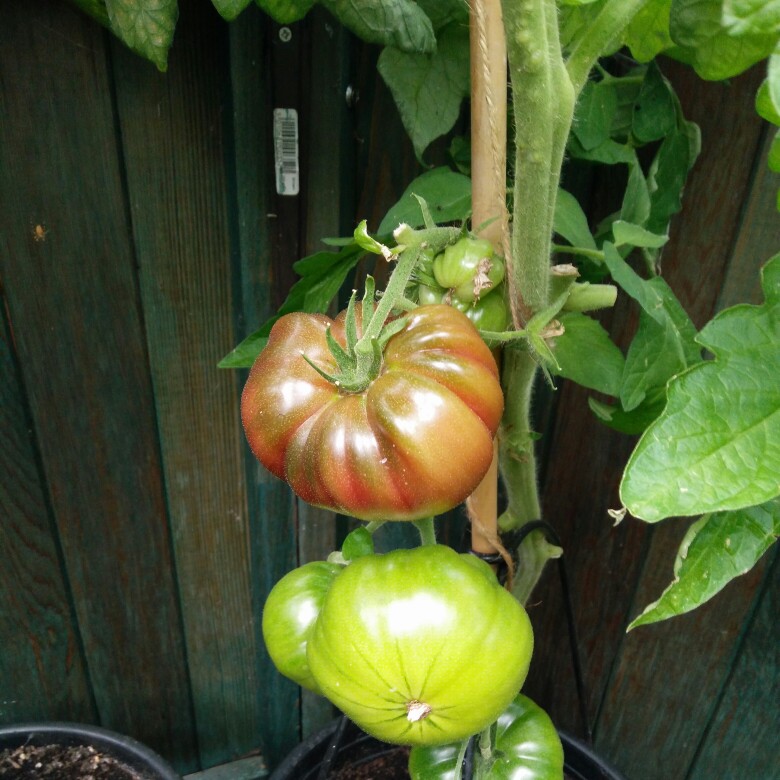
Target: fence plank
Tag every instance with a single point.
(262, 281)
(691, 654)
(173, 128)
(743, 736)
(42, 670)
(73, 303)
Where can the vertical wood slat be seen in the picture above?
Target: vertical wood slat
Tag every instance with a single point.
(42, 670)
(693, 653)
(330, 157)
(173, 129)
(73, 307)
(743, 735)
(582, 483)
(257, 293)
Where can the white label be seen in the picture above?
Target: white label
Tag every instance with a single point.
(286, 150)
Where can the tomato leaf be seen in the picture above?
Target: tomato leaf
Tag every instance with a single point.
(322, 275)
(751, 16)
(401, 24)
(286, 11)
(773, 80)
(715, 51)
(716, 549)
(716, 447)
(648, 33)
(766, 107)
(659, 350)
(145, 26)
(594, 113)
(570, 221)
(631, 422)
(428, 89)
(447, 193)
(442, 12)
(230, 9)
(655, 108)
(628, 234)
(586, 354)
(668, 173)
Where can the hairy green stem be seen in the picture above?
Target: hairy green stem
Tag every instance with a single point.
(427, 530)
(602, 34)
(544, 92)
(543, 103)
(517, 457)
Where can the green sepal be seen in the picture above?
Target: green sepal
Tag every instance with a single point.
(344, 359)
(357, 544)
(350, 323)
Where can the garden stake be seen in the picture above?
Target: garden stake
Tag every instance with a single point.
(489, 214)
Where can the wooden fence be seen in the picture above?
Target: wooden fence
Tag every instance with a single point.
(140, 239)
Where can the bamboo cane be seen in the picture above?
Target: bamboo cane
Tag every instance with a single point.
(488, 192)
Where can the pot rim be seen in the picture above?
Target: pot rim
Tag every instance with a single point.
(580, 759)
(132, 752)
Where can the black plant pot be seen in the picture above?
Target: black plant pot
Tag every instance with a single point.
(356, 748)
(125, 750)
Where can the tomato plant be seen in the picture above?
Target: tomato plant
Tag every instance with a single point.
(412, 443)
(420, 646)
(290, 612)
(525, 746)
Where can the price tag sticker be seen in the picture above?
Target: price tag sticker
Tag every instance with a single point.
(286, 151)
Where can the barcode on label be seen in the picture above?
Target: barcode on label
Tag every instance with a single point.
(286, 151)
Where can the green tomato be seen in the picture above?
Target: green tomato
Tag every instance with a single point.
(469, 268)
(427, 294)
(489, 312)
(420, 647)
(289, 614)
(527, 747)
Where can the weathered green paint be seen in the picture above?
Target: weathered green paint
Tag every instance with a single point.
(135, 523)
(78, 335)
(742, 737)
(42, 670)
(182, 238)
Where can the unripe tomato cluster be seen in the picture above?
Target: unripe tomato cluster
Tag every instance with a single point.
(469, 276)
(417, 647)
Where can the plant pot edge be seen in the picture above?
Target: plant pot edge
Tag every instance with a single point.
(580, 757)
(130, 751)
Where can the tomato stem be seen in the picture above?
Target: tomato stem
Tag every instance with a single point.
(427, 530)
(486, 743)
(464, 746)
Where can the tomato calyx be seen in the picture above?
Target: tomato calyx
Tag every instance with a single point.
(370, 327)
(359, 361)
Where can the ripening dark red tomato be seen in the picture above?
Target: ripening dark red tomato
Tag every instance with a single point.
(413, 443)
